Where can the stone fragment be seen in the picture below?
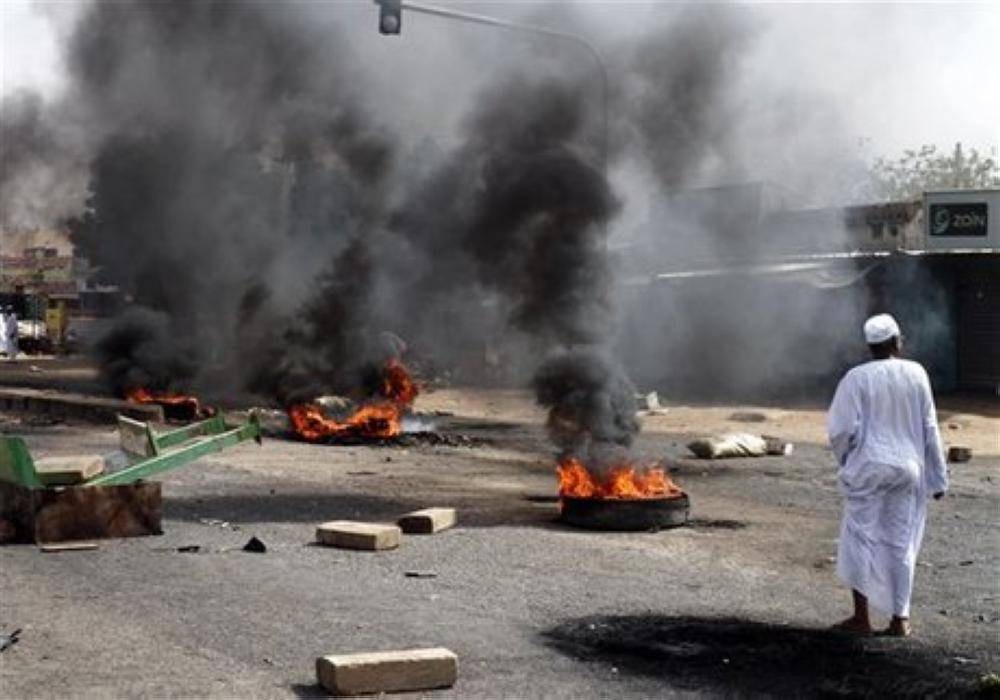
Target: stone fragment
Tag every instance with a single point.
(348, 534)
(387, 671)
(428, 521)
(957, 454)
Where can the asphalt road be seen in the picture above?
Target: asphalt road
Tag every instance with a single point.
(734, 604)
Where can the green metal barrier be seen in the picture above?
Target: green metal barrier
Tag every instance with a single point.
(16, 465)
(169, 450)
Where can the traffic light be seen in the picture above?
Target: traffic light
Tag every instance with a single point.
(390, 16)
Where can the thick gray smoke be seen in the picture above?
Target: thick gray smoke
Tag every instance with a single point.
(515, 215)
(235, 164)
(727, 149)
(42, 173)
(677, 92)
(239, 193)
(591, 406)
(267, 227)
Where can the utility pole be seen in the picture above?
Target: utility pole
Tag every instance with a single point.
(390, 21)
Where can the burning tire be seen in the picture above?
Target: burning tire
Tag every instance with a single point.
(626, 515)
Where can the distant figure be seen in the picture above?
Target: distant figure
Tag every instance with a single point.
(4, 338)
(12, 332)
(883, 430)
(10, 336)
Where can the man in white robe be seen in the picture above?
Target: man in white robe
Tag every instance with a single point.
(883, 430)
(3, 334)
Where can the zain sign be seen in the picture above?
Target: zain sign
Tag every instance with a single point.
(958, 219)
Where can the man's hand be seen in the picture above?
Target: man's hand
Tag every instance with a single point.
(939, 495)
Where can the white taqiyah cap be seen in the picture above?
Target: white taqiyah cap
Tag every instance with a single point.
(881, 328)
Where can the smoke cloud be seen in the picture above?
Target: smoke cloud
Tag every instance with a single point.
(268, 191)
(591, 406)
(235, 165)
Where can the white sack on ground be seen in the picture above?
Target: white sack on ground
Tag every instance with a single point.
(738, 445)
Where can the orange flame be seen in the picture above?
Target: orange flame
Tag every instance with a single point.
(377, 420)
(189, 405)
(397, 385)
(625, 482)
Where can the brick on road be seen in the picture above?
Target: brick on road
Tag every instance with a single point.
(387, 671)
(349, 534)
(428, 521)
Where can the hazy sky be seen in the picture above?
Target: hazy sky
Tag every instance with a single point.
(905, 74)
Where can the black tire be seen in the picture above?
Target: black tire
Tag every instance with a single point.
(631, 515)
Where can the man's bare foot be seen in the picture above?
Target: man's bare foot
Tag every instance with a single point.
(853, 625)
(899, 627)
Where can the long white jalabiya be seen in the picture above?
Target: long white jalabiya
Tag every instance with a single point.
(883, 430)
(5, 344)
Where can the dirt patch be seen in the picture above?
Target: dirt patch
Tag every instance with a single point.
(718, 655)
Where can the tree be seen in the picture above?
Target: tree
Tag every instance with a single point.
(926, 169)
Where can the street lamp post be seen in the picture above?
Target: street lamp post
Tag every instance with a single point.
(528, 29)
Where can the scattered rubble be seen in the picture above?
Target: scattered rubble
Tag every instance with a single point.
(225, 525)
(9, 640)
(387, 671)
(958, 454)
(426, 437)
(255, 545)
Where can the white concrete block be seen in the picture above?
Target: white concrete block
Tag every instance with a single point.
(387, 671)
(348, 534)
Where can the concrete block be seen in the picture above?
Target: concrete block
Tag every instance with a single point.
(387, 671)
(133, 436)
(427, 521)
(57, 471)
(348, 534)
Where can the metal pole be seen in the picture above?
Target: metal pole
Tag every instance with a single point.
(531, 29)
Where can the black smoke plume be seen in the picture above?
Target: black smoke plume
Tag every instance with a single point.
(510, 231)
(234, 164)
(140, 351)
(592, 409)
(677, 94)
